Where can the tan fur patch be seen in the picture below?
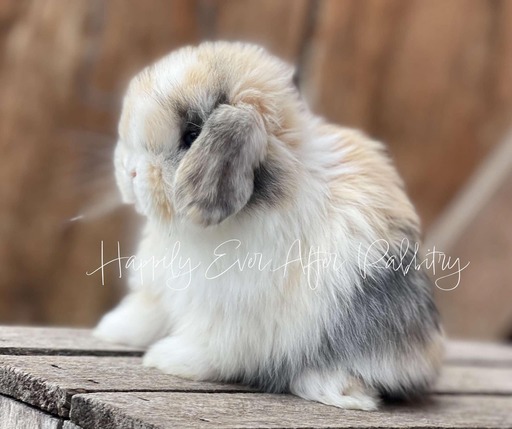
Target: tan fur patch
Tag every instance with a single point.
(159, 196)
(371, 183)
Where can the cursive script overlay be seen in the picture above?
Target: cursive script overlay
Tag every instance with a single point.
(312, 261)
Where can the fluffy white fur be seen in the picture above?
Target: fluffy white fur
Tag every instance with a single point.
(223, 317)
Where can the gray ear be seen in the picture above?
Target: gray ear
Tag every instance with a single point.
(215, 178)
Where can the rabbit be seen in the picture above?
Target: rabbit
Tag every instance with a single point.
(282, 246)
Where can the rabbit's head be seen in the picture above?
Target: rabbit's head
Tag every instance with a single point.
(208, 132)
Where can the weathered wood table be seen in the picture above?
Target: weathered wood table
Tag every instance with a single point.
(64, 378)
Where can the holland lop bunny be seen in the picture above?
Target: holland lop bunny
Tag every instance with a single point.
(281, 247)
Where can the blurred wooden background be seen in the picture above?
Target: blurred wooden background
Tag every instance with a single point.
(431, 78)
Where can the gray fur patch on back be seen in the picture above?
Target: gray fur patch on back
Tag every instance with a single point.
(391, 314)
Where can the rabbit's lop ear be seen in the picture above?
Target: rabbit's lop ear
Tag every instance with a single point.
(215, 178)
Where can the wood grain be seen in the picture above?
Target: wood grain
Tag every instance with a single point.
(192, 410)
(69, 425)
(475, 380)
(15, 340)
(63, 70)
(478, 353)
(43, 53)
(16, 415)
(243, 20)
(49, 382)
(475, 390)
(432, 79)
(485, 292)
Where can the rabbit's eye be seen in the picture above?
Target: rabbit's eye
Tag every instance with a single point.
(189, 136)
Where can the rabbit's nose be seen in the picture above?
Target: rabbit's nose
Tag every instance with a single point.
(133, 174)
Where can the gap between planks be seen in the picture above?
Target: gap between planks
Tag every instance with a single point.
(54, 382)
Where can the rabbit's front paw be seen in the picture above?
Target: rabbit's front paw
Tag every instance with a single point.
(137, 321)
(176, 356)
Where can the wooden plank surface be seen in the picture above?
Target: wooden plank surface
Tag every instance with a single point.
(417, 75)
(475, 390)
(15, 340)
(72, 60)
(49, 382)
(70, 425)
(16, 415)
(63, 341)
(478, 353)
(474, 380)
(485, 291)
(241, 21)
(216, 410)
